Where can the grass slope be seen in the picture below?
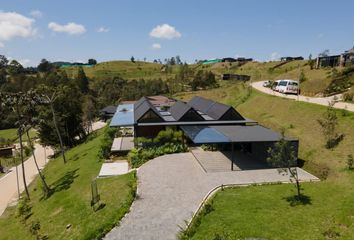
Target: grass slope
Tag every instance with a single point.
(317, 79)
(11, 134)
(253, 212)
(70, 203)
(125, 69)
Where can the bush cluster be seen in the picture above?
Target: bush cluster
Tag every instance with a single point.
(139, 156)
(166, 142)
(106, 143)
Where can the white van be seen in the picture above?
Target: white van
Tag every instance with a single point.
(287, 86)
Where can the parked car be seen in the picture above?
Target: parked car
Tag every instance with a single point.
(267, 84)
(288, 86)
(275, 85)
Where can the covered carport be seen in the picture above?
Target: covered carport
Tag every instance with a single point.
(254, 139)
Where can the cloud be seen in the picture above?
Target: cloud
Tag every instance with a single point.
(36, 13)
(274, 56)
(1, 45)
(70, 28)
(156, 46)
(165, 31)
(25, 62)
(14, 25)
(103, 30)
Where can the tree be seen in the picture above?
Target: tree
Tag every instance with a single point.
(310, 56)
(3, 61)
(324, 53)
(302, 77)
(15, 67)
(92, 61)
(30, 121)
(89, 110)
(49, 98)
(45, 66)
(282, 155)
(132, 59)
(16, 102)
(329, 124)
(82, 81)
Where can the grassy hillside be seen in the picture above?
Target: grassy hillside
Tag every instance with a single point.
(317, 79)
(10, 135)
(69, 205)
(125, 69)
(263, 211)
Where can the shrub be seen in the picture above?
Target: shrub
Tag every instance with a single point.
(24, 210)
(106, 143)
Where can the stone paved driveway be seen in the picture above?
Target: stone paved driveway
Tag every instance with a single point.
(171, 188)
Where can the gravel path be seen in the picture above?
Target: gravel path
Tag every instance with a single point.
(321, 101)
(170, 189)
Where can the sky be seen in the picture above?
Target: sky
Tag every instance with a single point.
(31, 30)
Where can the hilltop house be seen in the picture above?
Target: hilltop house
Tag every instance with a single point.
(201, 120)
(344, 60)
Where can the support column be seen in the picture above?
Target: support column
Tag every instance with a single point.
(232, 156)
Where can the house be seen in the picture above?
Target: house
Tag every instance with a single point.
(107, 112)
(328, 61)
(201, 120)
(240, 77)
(287, 59)
(345, 59)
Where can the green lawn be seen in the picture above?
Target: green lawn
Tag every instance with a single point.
(70, 203)
(262, 211)
(11, 136)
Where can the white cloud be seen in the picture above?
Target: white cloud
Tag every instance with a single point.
(36, 13)
(156, 46)
(1, 45)
(165, 31)
(274, 56)
(70, 28)
(14, 25)
(103, 30)
(25, 62)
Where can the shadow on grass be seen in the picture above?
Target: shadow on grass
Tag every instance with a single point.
(62, 183)
(296, 200)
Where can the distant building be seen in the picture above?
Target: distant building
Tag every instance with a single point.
(344, 60)
(347, 58)
(240, 77)
(287, 59)
(328, 61)
(228, 59)
(107, 112)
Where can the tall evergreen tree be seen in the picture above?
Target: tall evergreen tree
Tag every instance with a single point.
(82, 80)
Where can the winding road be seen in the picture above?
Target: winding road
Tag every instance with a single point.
(316, 100)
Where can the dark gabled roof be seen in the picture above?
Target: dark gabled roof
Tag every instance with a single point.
(181, 111)
(108, 110)
(216, 110)
(142, 107)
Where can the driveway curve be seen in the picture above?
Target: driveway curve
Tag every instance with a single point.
(170, 189)
(316, 100)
